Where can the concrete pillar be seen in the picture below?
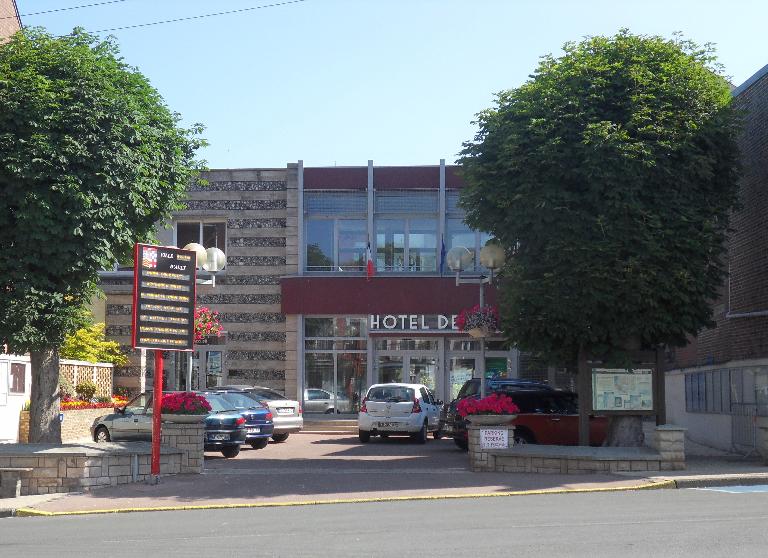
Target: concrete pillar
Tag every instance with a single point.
(190, 439)
(479, 459)
(669, 441)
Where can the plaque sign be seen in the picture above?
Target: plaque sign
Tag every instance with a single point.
(163, 298)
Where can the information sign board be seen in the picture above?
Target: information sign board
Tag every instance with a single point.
(494, 438)
(163, 298)
(619, 389)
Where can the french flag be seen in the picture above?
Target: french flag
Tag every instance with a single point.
(369, 269)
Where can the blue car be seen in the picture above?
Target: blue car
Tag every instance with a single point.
(258, 418)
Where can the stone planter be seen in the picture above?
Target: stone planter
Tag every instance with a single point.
(182, 419)
(478, 332)
(491, 420)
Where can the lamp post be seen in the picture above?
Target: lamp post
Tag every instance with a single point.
(211, 260)
(460, 258)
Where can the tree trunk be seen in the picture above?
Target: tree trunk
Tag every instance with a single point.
(625, 431)
(44, 425)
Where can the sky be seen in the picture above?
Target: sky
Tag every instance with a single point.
(339, 82)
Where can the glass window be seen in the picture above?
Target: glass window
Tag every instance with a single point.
(319, 344)
(422, 245)
(390, 369)
(319, 243)
(335, 203)
(18, 373)
(210, 235)
(406, 201)
(353, 242)
(390, 245)
(318, 327)
(389, 344)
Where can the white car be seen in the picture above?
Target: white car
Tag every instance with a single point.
(399, 409)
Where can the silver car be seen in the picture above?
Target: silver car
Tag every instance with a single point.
(286, 413)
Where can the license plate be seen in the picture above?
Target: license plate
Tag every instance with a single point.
(284, 411)
(218, 436)
(387, 424)
(253, 430)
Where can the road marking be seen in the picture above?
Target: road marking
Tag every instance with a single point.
(741, 489)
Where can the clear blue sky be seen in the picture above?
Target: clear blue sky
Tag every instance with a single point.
(338, 82)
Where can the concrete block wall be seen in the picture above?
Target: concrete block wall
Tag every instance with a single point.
(482, 459)
(76, 426)
(669, 441)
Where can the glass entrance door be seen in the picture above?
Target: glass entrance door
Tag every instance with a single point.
(334, 386)
(407, 367)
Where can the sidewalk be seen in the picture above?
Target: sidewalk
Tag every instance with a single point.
(312, 469)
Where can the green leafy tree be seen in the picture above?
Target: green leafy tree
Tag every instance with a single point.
(90, 159)
(90, 344)
(608, 177)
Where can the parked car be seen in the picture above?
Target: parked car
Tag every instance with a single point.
(258, 417)
(547, 416)
(286, 413)
(318, 400)
(224, 427)
(399, 409)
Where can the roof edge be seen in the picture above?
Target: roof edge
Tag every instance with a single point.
(750, 81)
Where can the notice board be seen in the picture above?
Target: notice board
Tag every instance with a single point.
(163, 298)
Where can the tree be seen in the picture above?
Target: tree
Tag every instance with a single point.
(608, 177)
(90, 159)
(90, 344)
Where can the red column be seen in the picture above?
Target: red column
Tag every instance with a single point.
(157, 398)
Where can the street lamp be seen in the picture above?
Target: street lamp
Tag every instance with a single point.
(211, 260)
(460, 258)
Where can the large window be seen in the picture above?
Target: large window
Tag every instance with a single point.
(458, 233)
(210, 235)
(335, 364)
(336, 231)
(406, 245)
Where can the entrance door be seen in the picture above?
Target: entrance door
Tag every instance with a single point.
(334, 385)
(407, 367)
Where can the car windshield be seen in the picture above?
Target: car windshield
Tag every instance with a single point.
(240, 400)
(392, 394)
(218, 403)
(266, 394)
(470, 387)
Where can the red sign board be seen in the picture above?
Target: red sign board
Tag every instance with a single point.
(163, 298)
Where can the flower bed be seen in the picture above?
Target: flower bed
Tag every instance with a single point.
(494, 404)
(70, 404)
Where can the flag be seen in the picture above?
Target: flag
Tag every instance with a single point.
(369, 269)
(442, 255)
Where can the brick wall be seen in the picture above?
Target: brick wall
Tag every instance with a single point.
(741, 338)
(9, 22)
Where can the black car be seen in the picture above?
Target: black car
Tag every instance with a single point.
(258, 418)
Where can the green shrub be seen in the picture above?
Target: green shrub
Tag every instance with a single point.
(66, 389)
(90, 344)
(103, 399)
(86, 390)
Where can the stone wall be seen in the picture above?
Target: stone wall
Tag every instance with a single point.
(76, 426)
(190, 439)
(81, 467)
(668, 454)
(259, 214)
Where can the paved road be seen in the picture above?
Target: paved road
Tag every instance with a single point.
(666, 523)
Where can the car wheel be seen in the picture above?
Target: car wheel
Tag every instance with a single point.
(230, 451)
(364, 436)
(280, 437)
(261, 443)
(524, 437)
(329, 411)
(437, 434)
(101, 434)
(421, 436)
(461, 444)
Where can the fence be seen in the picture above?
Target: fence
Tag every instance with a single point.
(99, 373)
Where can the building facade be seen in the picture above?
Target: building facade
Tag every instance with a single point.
(301, 313)
(719, 382)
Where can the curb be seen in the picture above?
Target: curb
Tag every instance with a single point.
(653, 485)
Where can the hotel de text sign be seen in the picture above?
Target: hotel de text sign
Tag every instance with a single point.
(412, 322)
(163, 298)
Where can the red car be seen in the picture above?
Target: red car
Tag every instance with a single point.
(546, 416)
